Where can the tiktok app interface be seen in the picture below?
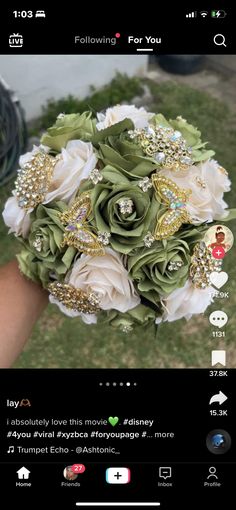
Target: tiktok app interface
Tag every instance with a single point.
(117, 191)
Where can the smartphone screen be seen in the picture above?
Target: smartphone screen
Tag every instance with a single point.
(117, 277)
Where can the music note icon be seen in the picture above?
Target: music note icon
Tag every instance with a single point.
(11, 449)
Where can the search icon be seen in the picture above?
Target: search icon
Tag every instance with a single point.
(219, 40)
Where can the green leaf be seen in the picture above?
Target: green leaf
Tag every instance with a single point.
(68, 257)
(116, 129)
(159, 119)
(110, 156)
(113, 175)
(231, 215)
(203, 155)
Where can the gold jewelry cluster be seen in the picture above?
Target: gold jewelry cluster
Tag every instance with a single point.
(33, 181)
(202, 265)
(77, 232)
(75, 299)
(175, 198)
(166, 145)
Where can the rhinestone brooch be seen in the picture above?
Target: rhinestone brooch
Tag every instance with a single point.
(95, 176)
(175, 199)
(166, 145)
(175, 265)
(126, 205)
(145, 184)
(38, 243)
(33, 181)
(104, 238)
(75, 299)
(126, 328)
(202, 265)
(148, 240)
(77, 232)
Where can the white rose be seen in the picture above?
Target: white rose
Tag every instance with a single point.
(185, 302)
(16, 218)
(77, 161)
(208, 182)
(139, 116)
(107, 277)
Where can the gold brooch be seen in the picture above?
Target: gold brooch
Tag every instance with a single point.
(166, 145)
(176, 198)
(33, 181)
(75, 299)
(202, 265)
(77, 233)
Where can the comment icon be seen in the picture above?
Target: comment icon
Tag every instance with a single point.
(218, 318)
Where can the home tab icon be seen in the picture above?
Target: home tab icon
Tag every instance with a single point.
(23, 473)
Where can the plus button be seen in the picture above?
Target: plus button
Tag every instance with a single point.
(117, 476)
(218, 252)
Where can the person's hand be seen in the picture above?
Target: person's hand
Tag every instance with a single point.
(21, 303)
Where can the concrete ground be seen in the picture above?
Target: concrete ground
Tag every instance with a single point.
(218, 78)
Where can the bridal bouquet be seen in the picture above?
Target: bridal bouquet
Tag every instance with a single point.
(111, 213)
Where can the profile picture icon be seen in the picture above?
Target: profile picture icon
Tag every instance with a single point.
(69, 474)
(219, 236)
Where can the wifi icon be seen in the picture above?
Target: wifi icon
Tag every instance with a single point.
(204, 13)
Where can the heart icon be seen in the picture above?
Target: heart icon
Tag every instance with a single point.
(113, 420)
(218, 279)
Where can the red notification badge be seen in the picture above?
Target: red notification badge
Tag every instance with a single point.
(78, 468)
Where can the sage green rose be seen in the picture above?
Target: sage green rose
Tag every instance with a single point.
(132, 166)
(116, 150)
(30, 266)
(160, 269)
(43, 253)
(191, 234)
(139, 317)
(190, 133)
(69, 127)
(126, 212)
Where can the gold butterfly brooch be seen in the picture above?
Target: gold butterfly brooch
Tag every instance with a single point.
(175, 198)
(77, 233)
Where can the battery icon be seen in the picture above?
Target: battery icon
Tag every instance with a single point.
(218, 14)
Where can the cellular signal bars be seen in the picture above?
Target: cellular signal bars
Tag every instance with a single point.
(192, 14)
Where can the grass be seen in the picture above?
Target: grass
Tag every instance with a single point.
(61, 342)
